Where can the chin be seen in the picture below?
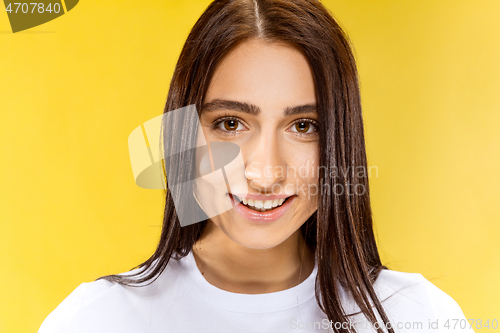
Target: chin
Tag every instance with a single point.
(253, 237)
(258, 243)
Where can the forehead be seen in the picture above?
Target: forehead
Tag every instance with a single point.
(272, 76)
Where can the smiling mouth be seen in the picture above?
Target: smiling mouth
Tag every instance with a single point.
(261, 205)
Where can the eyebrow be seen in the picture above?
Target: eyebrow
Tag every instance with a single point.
(221, 104)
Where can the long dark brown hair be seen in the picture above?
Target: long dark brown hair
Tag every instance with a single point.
(340, 232)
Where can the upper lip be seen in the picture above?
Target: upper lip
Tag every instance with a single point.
(261, 197)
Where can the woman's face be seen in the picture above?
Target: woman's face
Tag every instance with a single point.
(262, 98)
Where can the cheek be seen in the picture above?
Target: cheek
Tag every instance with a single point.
(305, 159)
(303, 164)
(311, 189)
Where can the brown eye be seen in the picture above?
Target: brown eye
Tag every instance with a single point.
(302, 127)
(230, 125)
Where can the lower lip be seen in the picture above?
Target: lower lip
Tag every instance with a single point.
(262, 217)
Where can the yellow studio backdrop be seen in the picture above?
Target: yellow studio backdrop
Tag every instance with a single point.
(73, 89)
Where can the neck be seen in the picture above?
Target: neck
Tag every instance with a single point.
(235, 268)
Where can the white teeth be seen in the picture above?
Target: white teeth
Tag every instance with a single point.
(261, 205)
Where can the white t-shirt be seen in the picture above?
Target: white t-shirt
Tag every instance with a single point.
(181, 300)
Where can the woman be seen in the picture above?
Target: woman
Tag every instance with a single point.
(295, 251)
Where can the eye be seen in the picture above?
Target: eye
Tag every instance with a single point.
(304, 126)
(228, 124)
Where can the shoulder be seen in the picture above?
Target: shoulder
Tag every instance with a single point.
(410, 299)
(414, 286)
(93, 304)
(58, 320)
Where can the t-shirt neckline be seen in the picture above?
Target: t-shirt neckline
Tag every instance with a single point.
(248, 303)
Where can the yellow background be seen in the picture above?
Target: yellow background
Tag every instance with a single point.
(73, 89)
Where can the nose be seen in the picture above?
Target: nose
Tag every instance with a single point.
(265, 166)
